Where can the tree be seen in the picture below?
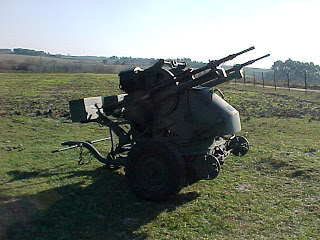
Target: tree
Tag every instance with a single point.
(296, 70)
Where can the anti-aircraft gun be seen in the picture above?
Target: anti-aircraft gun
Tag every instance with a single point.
(169, 128)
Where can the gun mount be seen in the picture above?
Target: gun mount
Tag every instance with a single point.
(179, 131)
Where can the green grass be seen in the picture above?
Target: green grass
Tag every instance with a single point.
(271, 193)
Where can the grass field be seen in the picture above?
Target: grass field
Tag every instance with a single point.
(270, 193)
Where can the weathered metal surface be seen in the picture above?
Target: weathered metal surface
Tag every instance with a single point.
(85, 109)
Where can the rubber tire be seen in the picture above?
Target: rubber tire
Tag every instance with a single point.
(241, 146)
(155, 170)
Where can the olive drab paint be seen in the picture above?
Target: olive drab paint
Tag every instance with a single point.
(169, 127)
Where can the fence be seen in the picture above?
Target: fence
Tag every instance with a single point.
(258, 78)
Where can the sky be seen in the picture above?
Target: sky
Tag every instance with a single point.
(199, 29)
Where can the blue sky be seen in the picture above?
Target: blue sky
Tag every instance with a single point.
(200, 29)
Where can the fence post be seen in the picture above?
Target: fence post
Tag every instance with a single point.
(288, 81)
(254, 79)
(305, 80)
(274, 80)
(262, 80)
(244, 77)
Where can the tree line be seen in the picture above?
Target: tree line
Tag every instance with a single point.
(29, 52)
(296, 70)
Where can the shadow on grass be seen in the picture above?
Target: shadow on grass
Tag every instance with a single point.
(20, 175)
(106, 209)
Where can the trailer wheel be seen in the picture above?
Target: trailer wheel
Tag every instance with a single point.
(155, 170)
(239, 145)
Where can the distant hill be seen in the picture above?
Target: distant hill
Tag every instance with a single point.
(19, 59)
(14, 62)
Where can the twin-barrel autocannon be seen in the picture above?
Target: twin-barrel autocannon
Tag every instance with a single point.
(169, 128)
(158, 83)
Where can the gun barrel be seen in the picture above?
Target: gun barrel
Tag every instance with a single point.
(267, 55)
(212, 74)
(213, 64)
(254, 60)
(239, 66)
(246, 50)
(232, 56)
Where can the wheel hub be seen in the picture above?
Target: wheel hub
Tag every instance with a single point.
(152, 172)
